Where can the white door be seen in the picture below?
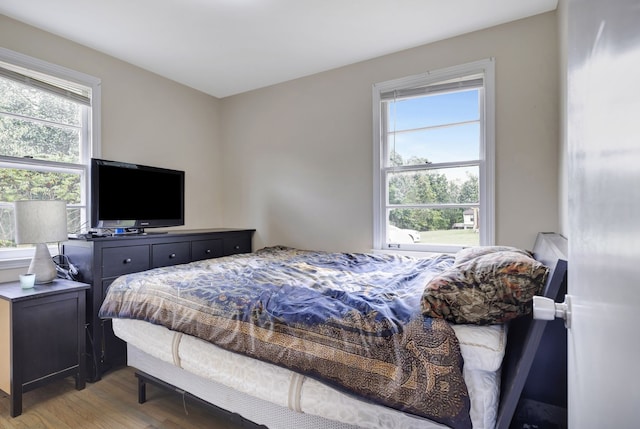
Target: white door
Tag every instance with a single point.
(603, 130)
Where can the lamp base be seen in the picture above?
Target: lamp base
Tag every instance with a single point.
(42, 265)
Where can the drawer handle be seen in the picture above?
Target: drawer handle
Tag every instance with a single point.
(207, 251)
(237, 247)
(173, 255)
(127, 261)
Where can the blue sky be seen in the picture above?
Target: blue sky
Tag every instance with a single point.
(440, 144)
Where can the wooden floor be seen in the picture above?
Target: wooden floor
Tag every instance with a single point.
(110, 403)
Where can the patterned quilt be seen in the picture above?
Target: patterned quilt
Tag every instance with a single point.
(351, 320)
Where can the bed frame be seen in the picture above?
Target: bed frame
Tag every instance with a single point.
(524, 338)
(525, 333)
(144, 379)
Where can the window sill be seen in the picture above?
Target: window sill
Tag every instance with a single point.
(12, 264)
(13, 258)
(413, 253)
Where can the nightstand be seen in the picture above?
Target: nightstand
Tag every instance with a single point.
(42, 336)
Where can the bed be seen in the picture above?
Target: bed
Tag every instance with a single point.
(294, 338)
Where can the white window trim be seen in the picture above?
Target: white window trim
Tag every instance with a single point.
(487, 150)
(19, 258)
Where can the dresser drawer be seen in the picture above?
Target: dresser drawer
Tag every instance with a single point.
(170, 254)
(205, 249)
(101, 260)
(105, 286)
(124, 260)
(240, 243)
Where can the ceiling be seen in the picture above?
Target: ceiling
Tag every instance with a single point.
(226, 47)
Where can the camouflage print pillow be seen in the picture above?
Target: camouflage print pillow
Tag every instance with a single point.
(488, 289)
(469, 253)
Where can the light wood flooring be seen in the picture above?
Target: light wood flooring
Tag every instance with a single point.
(107, 404)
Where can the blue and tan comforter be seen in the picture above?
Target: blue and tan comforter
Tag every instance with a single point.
(351, 320)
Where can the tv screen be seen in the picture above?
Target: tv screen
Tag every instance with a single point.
(126, 195)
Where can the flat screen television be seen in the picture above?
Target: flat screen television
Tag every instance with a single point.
(134, 197)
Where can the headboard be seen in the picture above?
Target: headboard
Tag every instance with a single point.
(525, 333)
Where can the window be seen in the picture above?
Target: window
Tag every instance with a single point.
(49, 128)
(434, 160)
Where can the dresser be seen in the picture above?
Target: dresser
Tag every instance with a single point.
(42, 336)
(100, 260)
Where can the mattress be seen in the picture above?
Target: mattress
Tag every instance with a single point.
(482, 348)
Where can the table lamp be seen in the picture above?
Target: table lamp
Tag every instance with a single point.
(39, 222)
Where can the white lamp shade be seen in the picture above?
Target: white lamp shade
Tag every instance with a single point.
(40, 221)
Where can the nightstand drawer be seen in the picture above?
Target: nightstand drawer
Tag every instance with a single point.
(124, 260)
(205, 249)
(170, 254)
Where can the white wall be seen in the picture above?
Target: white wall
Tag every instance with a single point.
(295, 161)
(298, 156)
(145, 118)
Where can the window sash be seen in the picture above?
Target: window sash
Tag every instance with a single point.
(72, 85)
(478, 75)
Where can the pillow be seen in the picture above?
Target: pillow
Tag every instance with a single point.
(469, 253)
(488, 289)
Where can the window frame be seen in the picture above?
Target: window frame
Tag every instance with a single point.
(485, 67)
(17, 258)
